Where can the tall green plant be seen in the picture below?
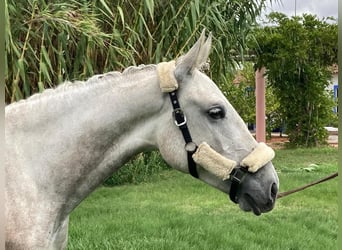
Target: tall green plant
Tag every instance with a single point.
(48, 42)
(296, 53)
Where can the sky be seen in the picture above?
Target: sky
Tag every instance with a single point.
(321, 8)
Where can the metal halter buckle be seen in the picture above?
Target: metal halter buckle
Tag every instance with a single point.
(238, 174)
(190, 147)
(236, 178)
(178, 114)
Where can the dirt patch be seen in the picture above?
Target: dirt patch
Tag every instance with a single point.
(277, 142)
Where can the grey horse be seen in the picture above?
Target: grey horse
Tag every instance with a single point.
(63, 143)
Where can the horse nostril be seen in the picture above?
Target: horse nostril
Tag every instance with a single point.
(270, 203)
(274, 190)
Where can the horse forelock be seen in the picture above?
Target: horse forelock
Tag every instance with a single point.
(92, 82)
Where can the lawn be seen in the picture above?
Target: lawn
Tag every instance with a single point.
(175, 211)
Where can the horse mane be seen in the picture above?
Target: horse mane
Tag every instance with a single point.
(67, 86)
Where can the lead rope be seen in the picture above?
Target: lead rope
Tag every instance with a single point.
(329, 177)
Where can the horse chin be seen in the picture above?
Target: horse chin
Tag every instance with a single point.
(247, 204)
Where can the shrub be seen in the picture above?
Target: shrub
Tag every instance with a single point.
(144, 167)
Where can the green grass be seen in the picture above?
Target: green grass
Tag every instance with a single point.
(176, 211)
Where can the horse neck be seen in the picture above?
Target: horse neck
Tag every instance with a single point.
(120, 124)
(95, 132)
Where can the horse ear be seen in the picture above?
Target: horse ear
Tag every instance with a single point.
(194, 58)
(204, 52)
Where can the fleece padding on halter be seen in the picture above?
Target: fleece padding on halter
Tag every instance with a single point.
(261, 155)
(221, 166)
(167, 80)
(213, 162)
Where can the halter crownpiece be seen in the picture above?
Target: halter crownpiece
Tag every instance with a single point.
(167, 80)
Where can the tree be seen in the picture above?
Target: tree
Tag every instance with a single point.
(241, 95)
(240, 91)
(296, 53)
(48, 42)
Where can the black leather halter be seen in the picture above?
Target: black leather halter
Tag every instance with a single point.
(237, 175)
(181, 123)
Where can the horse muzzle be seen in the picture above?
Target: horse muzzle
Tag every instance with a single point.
(258, 191)
(253, 183)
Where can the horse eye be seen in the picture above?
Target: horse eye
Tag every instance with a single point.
(216, 113)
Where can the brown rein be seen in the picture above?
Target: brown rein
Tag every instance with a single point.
(283, 194)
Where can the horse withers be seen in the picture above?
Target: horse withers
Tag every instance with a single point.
(63, 143)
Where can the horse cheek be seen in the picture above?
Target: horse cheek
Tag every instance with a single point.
(171, 147)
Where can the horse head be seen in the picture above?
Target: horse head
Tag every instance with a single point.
(213, 134)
